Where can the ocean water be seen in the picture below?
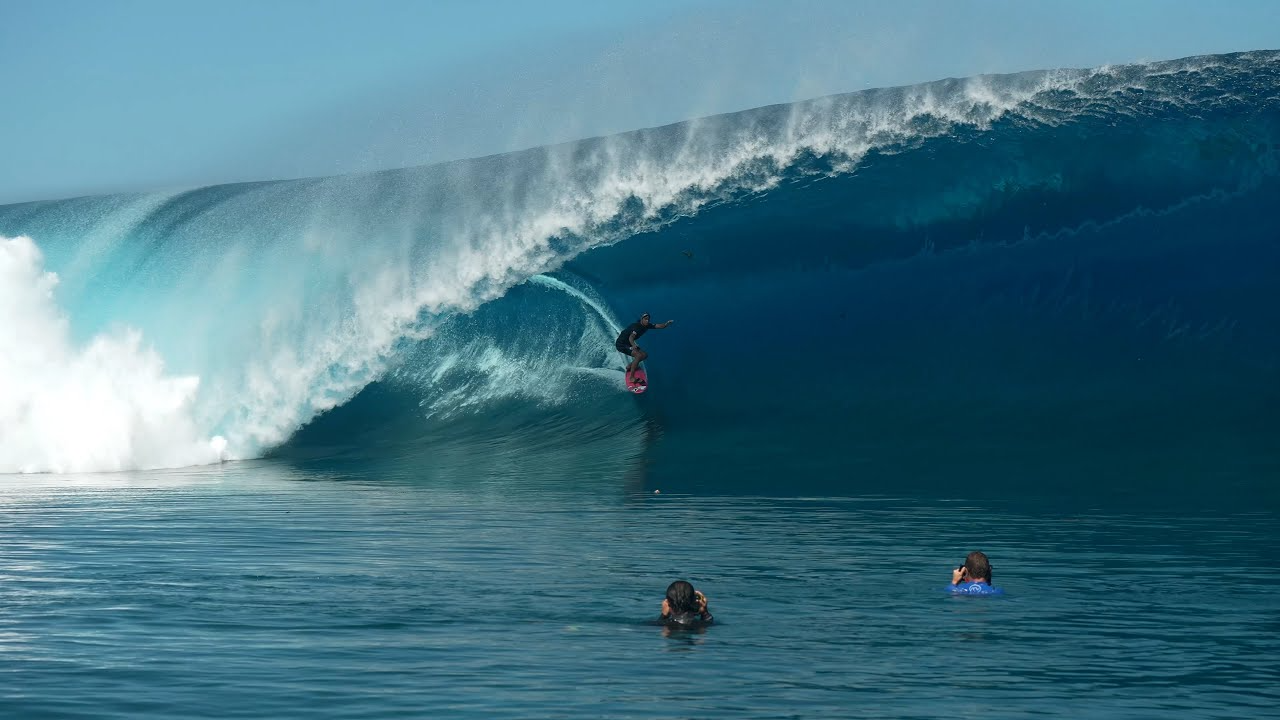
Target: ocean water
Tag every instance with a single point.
(259, 590)
(359, 446)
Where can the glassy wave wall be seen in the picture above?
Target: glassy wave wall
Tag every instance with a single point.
(1013, 273)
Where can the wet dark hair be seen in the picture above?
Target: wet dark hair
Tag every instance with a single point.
(680, 597)
(643, 316)
(978, 566)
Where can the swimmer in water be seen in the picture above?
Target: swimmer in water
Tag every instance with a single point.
(974, 576)
(684, 605)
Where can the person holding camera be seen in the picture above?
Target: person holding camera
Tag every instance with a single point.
(974, 576)
(684, 605)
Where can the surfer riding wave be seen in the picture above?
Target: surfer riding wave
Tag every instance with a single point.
(626, 342)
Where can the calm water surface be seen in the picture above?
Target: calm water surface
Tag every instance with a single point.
(260, 590)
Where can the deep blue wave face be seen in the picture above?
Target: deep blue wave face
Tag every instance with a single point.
(1088, 304)
(1048, 285)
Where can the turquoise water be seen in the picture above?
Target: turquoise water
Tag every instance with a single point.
(262, 590)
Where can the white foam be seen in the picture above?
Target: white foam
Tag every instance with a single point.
(105, 406)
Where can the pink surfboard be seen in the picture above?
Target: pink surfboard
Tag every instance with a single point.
(637, 382)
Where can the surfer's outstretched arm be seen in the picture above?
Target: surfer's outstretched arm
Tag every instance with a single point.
(662, 326)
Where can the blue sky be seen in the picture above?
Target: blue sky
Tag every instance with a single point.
(113, 95)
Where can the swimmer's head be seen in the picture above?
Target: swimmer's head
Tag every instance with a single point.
(977, 566)
(681, 597)
(644, 319)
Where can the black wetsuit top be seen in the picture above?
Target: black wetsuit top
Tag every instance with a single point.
(623, 343)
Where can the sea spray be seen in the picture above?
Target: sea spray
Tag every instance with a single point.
(106, 405)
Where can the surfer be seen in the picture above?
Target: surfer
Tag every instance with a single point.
(974, 576)
(684, 605)
(626, 342)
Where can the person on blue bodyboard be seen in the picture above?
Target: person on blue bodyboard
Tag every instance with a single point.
(626, 342)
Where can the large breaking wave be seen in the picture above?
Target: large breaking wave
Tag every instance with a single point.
(1001, 261)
